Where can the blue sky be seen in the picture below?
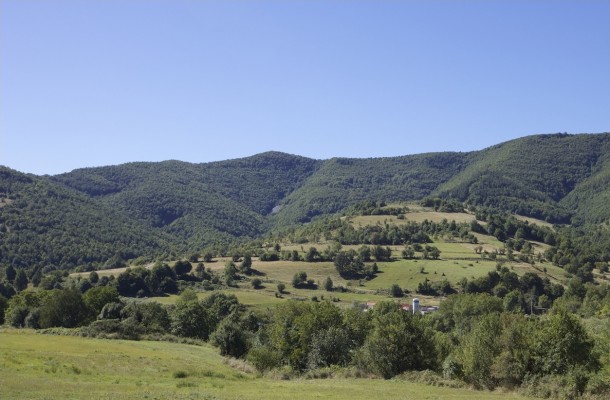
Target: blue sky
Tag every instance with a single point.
(90, 83)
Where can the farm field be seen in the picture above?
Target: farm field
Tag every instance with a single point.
(36, 366)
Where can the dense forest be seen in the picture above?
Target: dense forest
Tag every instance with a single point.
(102, 217)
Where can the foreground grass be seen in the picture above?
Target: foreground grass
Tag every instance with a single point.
(35, 366)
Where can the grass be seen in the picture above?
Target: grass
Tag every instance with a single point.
(35, 366)
(415, 216)
(254, 298)
(458, 261)
(408, 273)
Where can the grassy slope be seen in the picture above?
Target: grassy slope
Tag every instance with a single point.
(34, 366)
(458, 261)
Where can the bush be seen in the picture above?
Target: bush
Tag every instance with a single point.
(256, 283)
(328, 284)
(230, 338)
(264, 358)
(180, 374)
(64, 308)
(398, 342)
(599, 385)
(396, 291)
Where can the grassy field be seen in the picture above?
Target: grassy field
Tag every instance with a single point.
(415, 216)
(408, 273)
(35, 366)
(458, 261)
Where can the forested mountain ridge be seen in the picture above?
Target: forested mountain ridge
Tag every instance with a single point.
(43, 223)
(533, 175)
(199, 204)
(157, 207)
(340, 182)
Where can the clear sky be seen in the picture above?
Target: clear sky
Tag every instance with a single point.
(89, 83)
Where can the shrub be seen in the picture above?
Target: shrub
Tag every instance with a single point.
(264, 358)
(396, 291)
(256, 283)
(230, 338)
(180, 374)
(328, 284)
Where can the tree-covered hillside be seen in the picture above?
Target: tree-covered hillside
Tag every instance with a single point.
(200, 204)
(44, 224)
(341, 182)
(92, 215)
(530, 176)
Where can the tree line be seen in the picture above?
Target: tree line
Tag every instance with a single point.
(474, 337)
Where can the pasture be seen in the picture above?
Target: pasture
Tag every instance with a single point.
(36, 366)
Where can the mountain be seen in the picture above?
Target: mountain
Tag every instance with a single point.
(340, 182)
(542, 176)
(100, 215)
(45, 224)
(198, 204)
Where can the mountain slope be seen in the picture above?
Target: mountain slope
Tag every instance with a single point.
(531, 175)
(91, 215)
(46, 224)
(340, 182)
(200, 204)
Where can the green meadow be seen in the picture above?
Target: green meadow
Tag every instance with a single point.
(37, 366)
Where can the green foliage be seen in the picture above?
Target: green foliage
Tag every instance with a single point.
(329, 347)
(96, 298)
(230, 273)
(328, 284)
(190, 319)
(64, 308)
(182, 267)
(497, 351)
(231, 339)
(396, 291)
(398, 342)
(3, 307)
(459, 312)
(294, 326)
(10, 273)
(299, 280)
(350, 266)
(530, 176)
(264, 358)
(340, 182)
(563, 344)
(256, 283)
(103, 217)
(50, 224)
(443, 205)
(21, 281)
(20, 305)
(246, 265)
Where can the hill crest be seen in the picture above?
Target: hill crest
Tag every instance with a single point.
(179, 207)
